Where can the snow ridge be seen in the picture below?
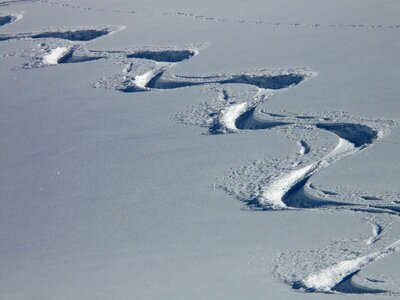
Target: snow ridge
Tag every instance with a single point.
(327, 279)
(57, 54)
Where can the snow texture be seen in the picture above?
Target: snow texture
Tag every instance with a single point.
(101, 180)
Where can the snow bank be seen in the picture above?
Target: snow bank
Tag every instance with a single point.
(230, 114)
(56, 55)
(273, 194)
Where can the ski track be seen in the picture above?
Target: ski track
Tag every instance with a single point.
(291, 188)
(81, 35)
(377, 230)
(59, 45)
(6, 19)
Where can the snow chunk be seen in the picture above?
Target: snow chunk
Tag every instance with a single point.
(142, 80)
(272, 195)
(326, 279)
(56, 55)
(230, 114)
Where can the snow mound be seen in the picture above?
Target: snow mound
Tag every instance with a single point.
(56, 55)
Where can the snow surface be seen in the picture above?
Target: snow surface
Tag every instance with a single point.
(129, 190)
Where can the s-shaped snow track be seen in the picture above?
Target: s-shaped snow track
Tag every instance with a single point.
(289, 186)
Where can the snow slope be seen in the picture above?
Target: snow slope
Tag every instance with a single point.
(129, 130)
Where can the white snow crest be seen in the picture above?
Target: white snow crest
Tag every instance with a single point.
(326, 279)
(55, 55)
(142, 80)
(343, 148)
(230, 114)
(271, 195)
